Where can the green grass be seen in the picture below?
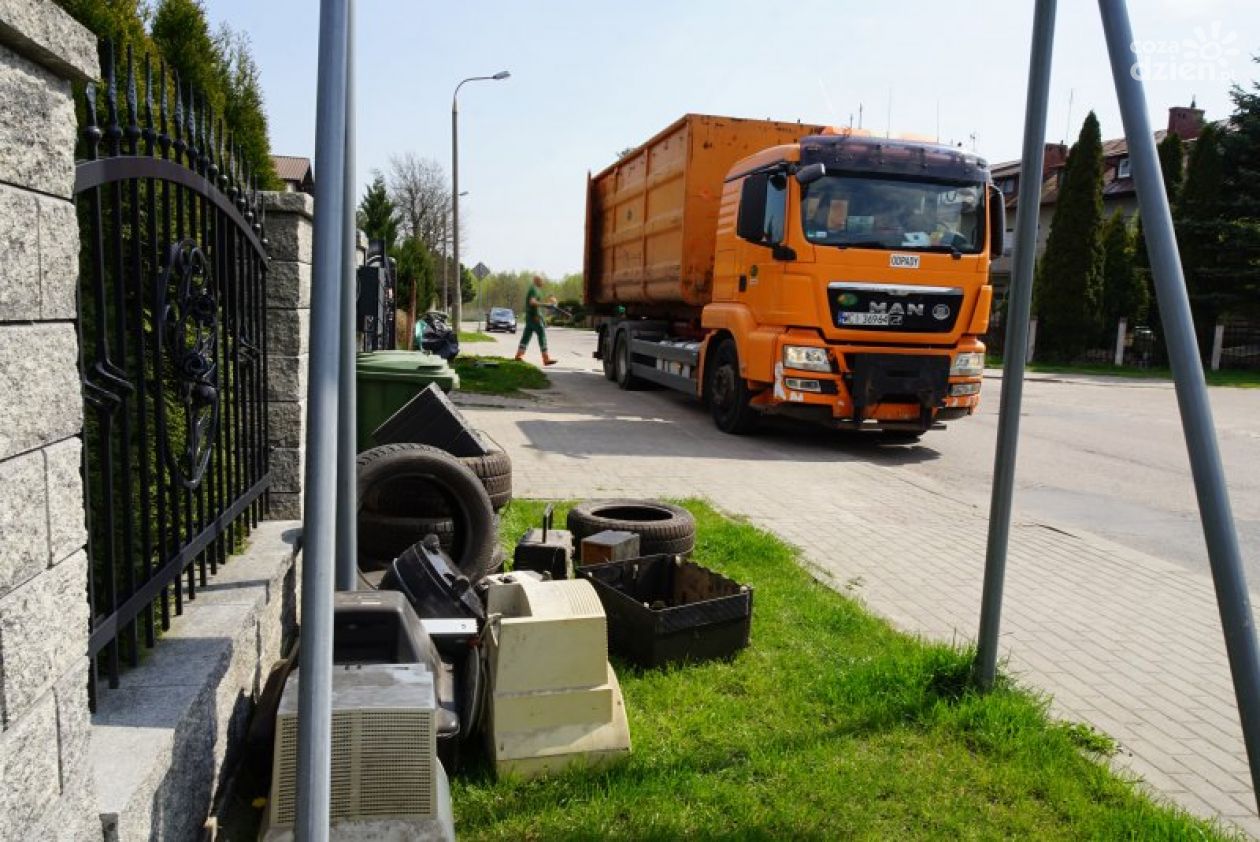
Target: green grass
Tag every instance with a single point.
(474, 336)
(498, 376)
(831, 725)
(1225, 377)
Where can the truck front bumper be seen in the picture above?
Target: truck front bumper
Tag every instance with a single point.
(889, 388)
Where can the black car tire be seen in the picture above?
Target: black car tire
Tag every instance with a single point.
(417, 497)
(661, 527)
(384, 537)
(475, 532)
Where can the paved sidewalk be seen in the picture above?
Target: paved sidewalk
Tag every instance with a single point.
(1122, 640)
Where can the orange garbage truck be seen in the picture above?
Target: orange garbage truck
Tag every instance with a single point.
(776, 268)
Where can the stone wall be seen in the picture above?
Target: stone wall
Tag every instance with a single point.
(290, 233)
(45, 783)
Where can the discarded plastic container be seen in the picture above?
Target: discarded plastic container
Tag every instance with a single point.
(546, 550)
(429, 580)
(662, 610)
(387, 380)
(430, 418)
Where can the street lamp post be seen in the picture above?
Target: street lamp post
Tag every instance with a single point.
(459, 298)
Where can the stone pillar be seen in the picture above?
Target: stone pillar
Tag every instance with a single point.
(290, 233)
(45, 782)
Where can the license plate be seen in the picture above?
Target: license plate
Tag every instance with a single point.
(864, 319)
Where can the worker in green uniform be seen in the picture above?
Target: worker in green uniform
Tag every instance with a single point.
(534, 322)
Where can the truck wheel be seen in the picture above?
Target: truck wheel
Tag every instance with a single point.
(606, 355)
(621, 362)
(728, 394)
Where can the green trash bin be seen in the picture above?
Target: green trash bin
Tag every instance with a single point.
(386, 380)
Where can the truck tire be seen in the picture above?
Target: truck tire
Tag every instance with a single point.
(661, 527)
(475, 533)
(606, 355)
(624, 374)
(727, 393)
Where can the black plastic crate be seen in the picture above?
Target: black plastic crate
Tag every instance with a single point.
(663, 609)
(430, 418)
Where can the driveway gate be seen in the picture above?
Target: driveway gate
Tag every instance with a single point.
(172, 317)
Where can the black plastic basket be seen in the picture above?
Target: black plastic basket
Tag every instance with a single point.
(662, 609)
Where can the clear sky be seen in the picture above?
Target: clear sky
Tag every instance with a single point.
(591, 77)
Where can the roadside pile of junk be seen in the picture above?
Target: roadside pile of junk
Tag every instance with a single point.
(445, 662)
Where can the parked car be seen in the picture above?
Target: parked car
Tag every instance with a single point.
(501, 318)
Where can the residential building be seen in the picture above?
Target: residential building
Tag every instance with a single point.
(296, 173)
(1118, 190)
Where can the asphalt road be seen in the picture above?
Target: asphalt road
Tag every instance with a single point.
(1099, 454)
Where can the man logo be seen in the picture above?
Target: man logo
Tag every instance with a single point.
(940, 312)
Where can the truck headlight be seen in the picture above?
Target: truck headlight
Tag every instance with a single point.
(968, 365)
(806, 357)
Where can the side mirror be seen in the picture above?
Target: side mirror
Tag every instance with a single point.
(810, 173)
(997, 223)
(750, 225)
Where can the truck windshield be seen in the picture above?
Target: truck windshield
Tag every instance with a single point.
(851, 211)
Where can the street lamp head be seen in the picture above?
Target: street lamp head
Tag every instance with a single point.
(502, 74)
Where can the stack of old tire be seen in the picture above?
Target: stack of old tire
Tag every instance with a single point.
(432, 474)
(663, 528)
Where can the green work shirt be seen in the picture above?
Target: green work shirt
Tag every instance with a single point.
(532, 299)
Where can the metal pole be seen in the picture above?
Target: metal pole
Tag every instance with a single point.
(446, 268)
(319, 525)
(1016, 341)
(347, 433)
(458, 303)
(1183, 353)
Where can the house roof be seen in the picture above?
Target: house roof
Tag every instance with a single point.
(1113, 186)
(292, 168)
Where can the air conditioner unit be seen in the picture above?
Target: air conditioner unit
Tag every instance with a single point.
(384, 761)
(554, 699)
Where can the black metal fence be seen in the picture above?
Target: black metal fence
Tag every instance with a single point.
(172, 321)
(1240, 345)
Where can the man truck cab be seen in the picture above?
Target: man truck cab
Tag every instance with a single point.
(849, 285)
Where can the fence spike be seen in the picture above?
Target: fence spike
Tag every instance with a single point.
(190, 116)
(112, 130)
(148, 133)
(229, 175)
(163, 138)
(203, 142)
(177, 121)
(133, 106)
(246, 210)
(190, 127)
(91, 131)
(222, 155)
(212, 169)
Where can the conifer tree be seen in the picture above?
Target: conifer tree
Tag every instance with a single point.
(1070, 295)
(378, 216)
(1124, 293)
